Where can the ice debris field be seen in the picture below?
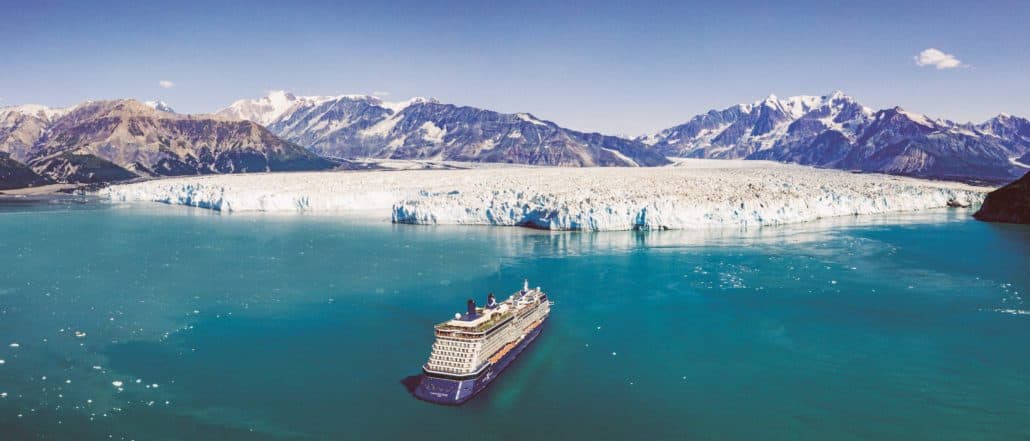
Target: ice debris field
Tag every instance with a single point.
(690, 194)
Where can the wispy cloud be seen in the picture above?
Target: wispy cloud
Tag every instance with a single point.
(938, 59)
(380, 93)
(166, 84)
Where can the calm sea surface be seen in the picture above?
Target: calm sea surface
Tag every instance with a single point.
(151, 322)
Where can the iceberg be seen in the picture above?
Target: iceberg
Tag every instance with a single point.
(691, 194)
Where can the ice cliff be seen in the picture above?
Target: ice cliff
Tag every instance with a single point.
(693, 194)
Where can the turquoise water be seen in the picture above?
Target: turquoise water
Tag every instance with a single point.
(304, 327)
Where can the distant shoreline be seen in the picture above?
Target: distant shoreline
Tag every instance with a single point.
(42, 190)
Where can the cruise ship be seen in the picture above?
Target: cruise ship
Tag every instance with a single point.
(472, 349)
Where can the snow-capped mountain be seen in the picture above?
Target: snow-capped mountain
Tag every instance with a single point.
(113, 140)
(104, 141)
(266, 110)
(741, 130)
(836, 131)
(361, 126)
(159, 105)
(1010, 130)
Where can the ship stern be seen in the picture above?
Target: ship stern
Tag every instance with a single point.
(444, 390)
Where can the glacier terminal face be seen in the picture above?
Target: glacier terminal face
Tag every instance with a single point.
(692, 194)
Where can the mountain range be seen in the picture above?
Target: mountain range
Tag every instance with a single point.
(835, 131)
(101, 141)
(358, 126)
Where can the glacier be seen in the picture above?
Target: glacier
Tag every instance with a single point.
(691, 194)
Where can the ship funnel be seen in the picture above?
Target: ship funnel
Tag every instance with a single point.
(472, 308)
(491, 301)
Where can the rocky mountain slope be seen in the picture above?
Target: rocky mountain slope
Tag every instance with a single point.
(21, 126)
(358, 126)
(835, 131)
(105, 141)
(14, 174)
(1010, 203)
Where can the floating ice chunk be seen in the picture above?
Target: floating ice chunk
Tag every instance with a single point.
(117, 383)
(15, 345)
(1012, 311)
(3, 394)
(2, 361)
(613, 354)
(154, 385)
(80, 334)
(97, 368)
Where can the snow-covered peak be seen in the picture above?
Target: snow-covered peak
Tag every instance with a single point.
(794, 106)
(652, 138)
(799, 105)
(398, 106)
(263, 110)
(917, 118)
(280, 104)
(530, 119)
(838, 95)
(281, 96)
(36, 110)
(159, 105)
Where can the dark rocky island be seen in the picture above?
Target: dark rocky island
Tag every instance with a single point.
(1010, 203)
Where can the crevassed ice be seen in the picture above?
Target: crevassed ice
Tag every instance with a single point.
(694, 194)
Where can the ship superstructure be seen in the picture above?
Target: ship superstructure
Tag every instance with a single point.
(474, 347)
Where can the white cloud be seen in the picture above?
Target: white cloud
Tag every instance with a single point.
(166, 84)
(380, 93)
(938, 59)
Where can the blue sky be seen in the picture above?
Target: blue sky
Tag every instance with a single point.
(615, 67)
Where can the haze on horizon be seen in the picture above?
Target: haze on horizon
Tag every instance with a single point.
(606, 66)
